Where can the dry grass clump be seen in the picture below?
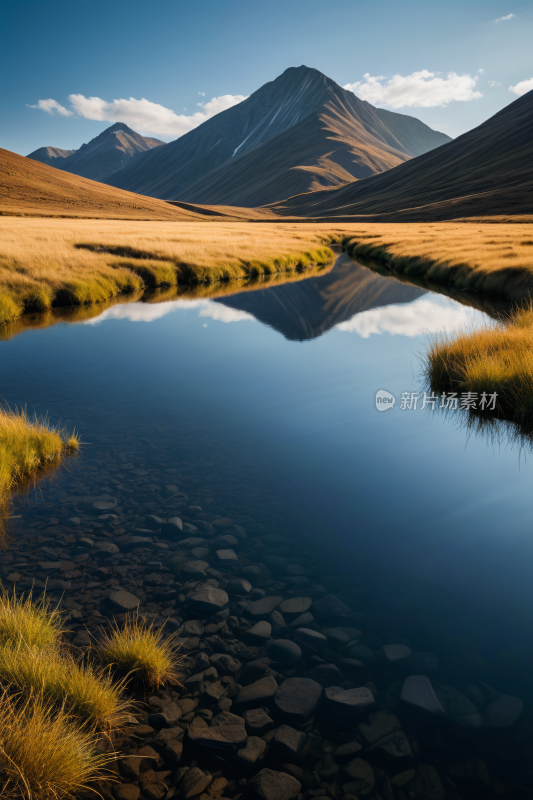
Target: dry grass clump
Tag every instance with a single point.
(45, 262)
(497, 357)
(43, 756)
(482, 257)
(87, 692)
(26, 446)
(33, 623)
(138, 648)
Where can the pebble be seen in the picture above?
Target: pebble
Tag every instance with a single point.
(257, 692)
(272, 785)
(418, 691)
(284, 652)
(503, 712)
(209, 600)
(264, 606)
(310, 638)
(297, 698)
(124, 601)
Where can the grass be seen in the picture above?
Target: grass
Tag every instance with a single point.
(33, 623)
(138, 648)
(42, 754)
(61, 262)
(496, 357)
(26, 446)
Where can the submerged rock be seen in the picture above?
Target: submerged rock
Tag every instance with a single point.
(503, 712)
(418, 691)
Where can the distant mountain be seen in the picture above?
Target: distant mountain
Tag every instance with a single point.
(112, 150)
(309, 308)
(53, 156)
(32, 189)
(298, 133)
(488, 170)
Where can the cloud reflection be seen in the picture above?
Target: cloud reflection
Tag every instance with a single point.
(146, 312)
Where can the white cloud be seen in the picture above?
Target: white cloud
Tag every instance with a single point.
(148, 312)
(51, 107)
(142, 115)
(422, 89)
(494, 83)
(202, 94)
(425, 315)
(503, 19)
(522, 87)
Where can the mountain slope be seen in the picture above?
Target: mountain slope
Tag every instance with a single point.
(53, 156)
(488, 170)
(112, 150)
(298, 132)
(33, 189)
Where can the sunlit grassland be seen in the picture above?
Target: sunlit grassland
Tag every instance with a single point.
(46, 262)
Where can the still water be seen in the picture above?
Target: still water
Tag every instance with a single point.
(268, 399)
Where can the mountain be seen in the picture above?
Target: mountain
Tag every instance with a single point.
(53, 156)
(32, 189)
(112, 150)
(295, 134)
(487, 171)
(310, 308)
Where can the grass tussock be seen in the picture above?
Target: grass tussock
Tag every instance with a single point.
(481, 257)
(28, 622)
(86, 692)
(142, 651)
(497, 357)
(42, 754)
(26, 446)
(61, 262)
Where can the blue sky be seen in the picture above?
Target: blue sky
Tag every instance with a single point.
(170, 51)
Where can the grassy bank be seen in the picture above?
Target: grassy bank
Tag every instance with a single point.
(480, 257)
(50, 262)
(27, 446)
(497, 357)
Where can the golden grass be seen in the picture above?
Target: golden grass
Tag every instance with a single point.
(483, 257)
(26, 446)
(86, 692)
(45, 262)
(43, 756)
(138, 648)
(497, 357)
(33, 623)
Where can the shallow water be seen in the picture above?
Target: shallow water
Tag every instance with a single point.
(263, 405)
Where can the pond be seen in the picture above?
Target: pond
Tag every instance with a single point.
(260, 408)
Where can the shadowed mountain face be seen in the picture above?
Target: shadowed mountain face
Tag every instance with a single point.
(488, 170)
(297, 133)
(53, 156)
(105, 154)
(308, 309)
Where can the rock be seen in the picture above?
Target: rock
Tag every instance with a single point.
(192, 541)
(396, 652)
(284, 652)
(289, 741)
(155, 791)
(298, 697)
(124, 601)
(348, 749)
(225, 541)
(295, 605)
(193, 570)
(458, 707)
(106, 549)
(426, 784)
(360, 652)
(171, 529)
(261, 630)
(264, 606)
(126, 791)
(418, 691)
(327, 675)
(349, 701)
(257, 720)
(361, 774)
(379, 725)
(310, 638)
(225, 663)
(209, 600)
(395, 744)
(341, 636)
(331, 606)
(279, 626)
(229, 736)
(303, 621)
(503, 712)
(403, 777)
(238, 586)
(173, 751)
(254, 750)
(258, 692)
(275, 563)
(152, 522)
(227, 556)
(193, 782)
(193, 627)
(272, 785)
(82, 639)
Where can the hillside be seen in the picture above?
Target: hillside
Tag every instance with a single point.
(487, 171)
(107, 153)
(33, 189)
(297, 133)
(53, 156)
